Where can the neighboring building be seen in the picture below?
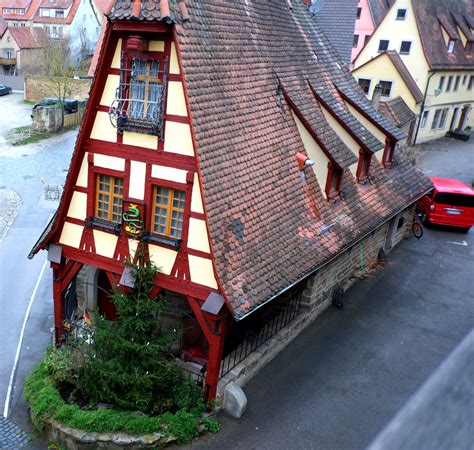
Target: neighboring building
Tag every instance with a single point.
(434, 40)
(369, 14)
(76, 20)
(195, 146)
(400, 114)
(18, 13)
(3, 26)
(337, 20)
(20, 48)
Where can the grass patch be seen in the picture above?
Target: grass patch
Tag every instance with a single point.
(46, 403)
(27, 102)
(26, 135)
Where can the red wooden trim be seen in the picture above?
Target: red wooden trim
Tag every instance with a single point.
(114, 71)
(113, 173)
(367, 116)
(126, 180)
(141, 154)
(90, 185)
(75, 221)
(175, 76)
(58, 311)
(70, 275)
(195, 215)
(341, 122)
(82, 189)
(178, 119)
(198, 253)
(141, 27)
(309, 129)
(364, 156)
(103, 108)
(170, 184)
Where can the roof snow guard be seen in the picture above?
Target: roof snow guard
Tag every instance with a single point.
(170, 11)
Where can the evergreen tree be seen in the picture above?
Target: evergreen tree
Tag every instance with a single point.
(127, 363)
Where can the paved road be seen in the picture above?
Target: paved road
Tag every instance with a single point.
(344, 377)
(24, 173)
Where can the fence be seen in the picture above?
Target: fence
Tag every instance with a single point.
(279, 314)
(16, 82)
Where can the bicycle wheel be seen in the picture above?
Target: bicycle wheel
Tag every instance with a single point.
(417, 230)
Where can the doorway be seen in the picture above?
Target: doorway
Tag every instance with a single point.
(104, 301)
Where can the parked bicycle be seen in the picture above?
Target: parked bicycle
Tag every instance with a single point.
(417, 227)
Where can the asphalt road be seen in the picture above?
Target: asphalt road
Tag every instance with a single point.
(340, 382)
(27, 170)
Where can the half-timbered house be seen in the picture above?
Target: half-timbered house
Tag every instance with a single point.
(230, 140)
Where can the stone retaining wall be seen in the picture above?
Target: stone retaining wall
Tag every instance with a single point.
(39, 87)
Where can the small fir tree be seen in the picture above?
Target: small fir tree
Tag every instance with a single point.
(128, 364)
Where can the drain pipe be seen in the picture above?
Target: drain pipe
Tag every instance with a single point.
(422, 107)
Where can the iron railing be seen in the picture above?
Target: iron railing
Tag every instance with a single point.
(280, 313)
(139, 100)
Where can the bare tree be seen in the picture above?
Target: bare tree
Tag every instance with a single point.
(56, 64)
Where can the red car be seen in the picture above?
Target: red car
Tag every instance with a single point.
(451, 203)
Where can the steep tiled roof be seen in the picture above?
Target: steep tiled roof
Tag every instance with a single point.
(431, 15)
(168, 10)
(268, 227)
(25, 38)
(14, 4)
(57, 4)
(379, 8)
(245, 65)
(337, 20)
(3, 26)
(397, 111)
(30, 9)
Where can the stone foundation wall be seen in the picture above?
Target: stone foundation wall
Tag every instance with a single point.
(39, 87)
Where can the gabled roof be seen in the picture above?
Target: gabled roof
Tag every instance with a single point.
(3, 26)
(56, 4)
(14, 4)
(397, 111)
(402, 70)
(171, 11)
(74, 4)
(378, 9)
(25, 38)
(337, 21)
(30, 7)
(431, 15)
(268, 227)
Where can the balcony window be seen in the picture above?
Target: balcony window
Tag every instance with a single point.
(139, 101)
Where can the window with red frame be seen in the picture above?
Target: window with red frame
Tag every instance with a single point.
(333, 182)
(364, 165)
(389, 153)
(139, 102)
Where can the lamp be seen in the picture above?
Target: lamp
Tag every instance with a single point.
(303, 163)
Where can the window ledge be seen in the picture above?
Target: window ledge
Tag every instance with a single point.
(115, 228)
(175, 244)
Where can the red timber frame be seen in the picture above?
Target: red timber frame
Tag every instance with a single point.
(214, 327)
(334, 176)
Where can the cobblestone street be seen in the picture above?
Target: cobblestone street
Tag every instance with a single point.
(11, 436)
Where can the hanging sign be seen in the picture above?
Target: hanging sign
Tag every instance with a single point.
(133, 218)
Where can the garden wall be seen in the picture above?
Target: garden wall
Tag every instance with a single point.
(38, 87)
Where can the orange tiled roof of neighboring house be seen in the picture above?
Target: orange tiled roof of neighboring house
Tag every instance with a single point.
(3, 26)
(30, 7)
(25, 38)
(59, 20)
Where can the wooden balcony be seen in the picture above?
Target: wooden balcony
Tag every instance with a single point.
(7, 61)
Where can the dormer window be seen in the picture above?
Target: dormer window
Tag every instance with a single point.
(362, 173)
(401, 14)
(139, 102)
(333, 183)
(389, 152)
(450, 46)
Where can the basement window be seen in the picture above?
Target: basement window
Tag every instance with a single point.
(139, 100)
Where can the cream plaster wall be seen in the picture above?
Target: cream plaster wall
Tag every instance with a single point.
(168, 173)
(341, 132)
(196, 199)
(109, 162)
(117, 55)
(174, 64)
(137, 180)
(108, 94)
(197, 237)
(103, 129)
(82, 177)
(156, 46)
(314, 152)
(201, 271)
(382, 69)
(462, 95)
(396, 31)
(164, 258)
(379, 155)
(380, 135)
(132, 247)
(176, 103)
(140, 140)
(78, 206)
(178, 138)
(105, 243)
(463, 37)
(71, 235)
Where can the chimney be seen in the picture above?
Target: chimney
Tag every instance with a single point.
(376, 96)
